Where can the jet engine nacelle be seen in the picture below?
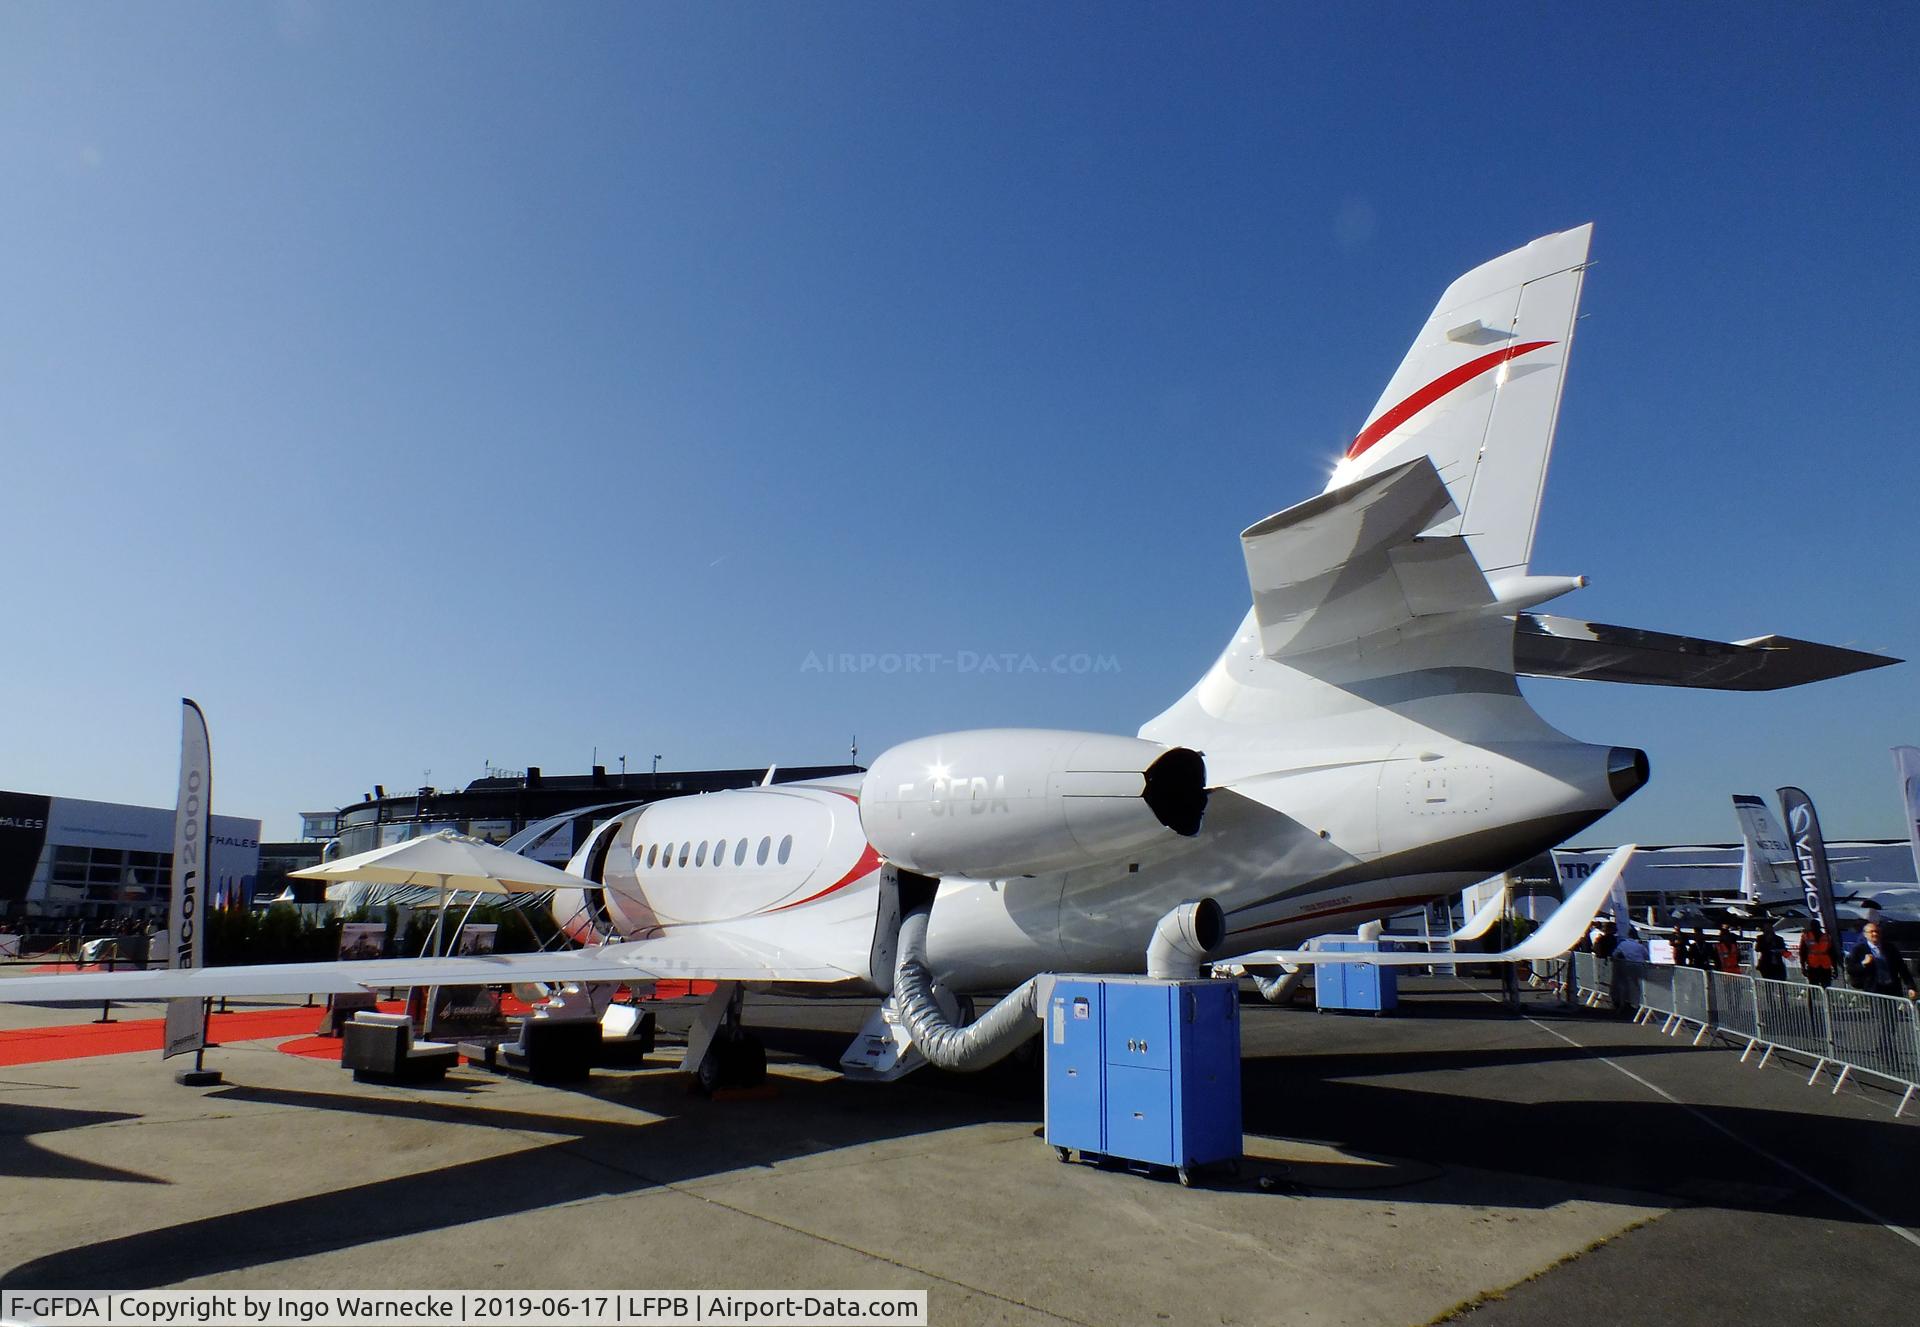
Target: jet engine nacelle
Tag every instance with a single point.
(999, 802)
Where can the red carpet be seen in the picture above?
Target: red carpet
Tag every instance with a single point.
(78, 1041)
(313, 1048)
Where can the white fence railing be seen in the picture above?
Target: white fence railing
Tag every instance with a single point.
(1855, 1032)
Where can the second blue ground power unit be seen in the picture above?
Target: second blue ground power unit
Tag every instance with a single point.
(1368, 988)
(1145, 1070)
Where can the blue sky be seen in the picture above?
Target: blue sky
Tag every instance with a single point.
(421, 386)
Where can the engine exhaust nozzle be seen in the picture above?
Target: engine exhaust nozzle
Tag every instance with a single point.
(1627, 771)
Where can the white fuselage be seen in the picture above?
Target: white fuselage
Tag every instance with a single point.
(1362, 837)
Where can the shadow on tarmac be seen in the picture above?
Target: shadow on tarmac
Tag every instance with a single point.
(1638, 1145)
(22, 1157)
(585, 1159)
(1530, 1121)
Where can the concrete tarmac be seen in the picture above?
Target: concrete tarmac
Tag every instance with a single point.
(1455, 1159)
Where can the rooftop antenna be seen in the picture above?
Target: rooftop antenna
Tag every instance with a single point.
(854, 750)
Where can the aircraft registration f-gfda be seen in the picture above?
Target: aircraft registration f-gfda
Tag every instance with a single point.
(1360, 747)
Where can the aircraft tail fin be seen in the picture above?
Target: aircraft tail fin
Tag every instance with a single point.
(1479, 392)
(1906, 760)
(1766, 864)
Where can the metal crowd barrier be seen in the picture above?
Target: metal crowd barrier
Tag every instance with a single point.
(1586, 988)
(57, 946)
(1875, 1034)
(1693, 1000)
(1853, 1032)
(1734, 1005)
(1791, 1016)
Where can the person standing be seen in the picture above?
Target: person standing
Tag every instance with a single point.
(1816, 955)
(1877, 965)
(1770, 952)
(1699, 950)
(1726, 953)
(1629, 956)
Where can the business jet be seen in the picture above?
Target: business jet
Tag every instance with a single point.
(1361, 746)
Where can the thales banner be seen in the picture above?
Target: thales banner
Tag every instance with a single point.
(186, 914)
(23, 832)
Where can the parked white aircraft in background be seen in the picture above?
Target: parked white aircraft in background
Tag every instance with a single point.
(1367, 749)
(1769, 873)
(1770, 876)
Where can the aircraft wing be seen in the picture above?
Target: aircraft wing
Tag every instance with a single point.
(1476, 926)
(1352, 562)
(1559, 934)
(710, 953)
(1548, 646)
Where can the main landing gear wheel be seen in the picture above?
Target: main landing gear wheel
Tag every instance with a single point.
(736, 1061)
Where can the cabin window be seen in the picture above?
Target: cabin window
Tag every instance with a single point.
(760, 858)
(685, 848)
(786, 849)
(653, 853)
(720, 853)
(666, 856)
(740, 853)
(700, 854)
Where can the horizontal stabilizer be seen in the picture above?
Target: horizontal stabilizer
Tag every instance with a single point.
(1546, 646)
(1351, 562)
(1561, 932)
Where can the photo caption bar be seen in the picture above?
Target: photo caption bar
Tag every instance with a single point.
(463, 1308)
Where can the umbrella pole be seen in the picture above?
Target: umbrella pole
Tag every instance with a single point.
(433, 947)
(432, 943)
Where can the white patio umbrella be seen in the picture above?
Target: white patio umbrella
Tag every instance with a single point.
(448, 862)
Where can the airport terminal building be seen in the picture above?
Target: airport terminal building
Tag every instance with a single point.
(499, 806)
(68, 858)
(64, 857)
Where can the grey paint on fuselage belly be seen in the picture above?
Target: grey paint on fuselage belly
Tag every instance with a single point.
(1480, 854)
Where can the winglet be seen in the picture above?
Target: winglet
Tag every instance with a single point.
(1482, 920)
(1559, 934)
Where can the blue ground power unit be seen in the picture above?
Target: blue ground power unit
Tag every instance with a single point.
(1365, 987)
(1144, 1070)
